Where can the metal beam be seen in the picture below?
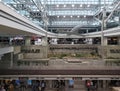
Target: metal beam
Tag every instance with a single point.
(112, 11)
(98, 20)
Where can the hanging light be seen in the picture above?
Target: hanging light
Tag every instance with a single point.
(57, 5)
(81, 5)
(64, 16)
(88, 5)
(73, 5)
(64, 6)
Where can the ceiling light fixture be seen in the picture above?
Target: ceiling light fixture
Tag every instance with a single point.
(81, 5)
(64, 5)
(64, 16)
(88, 5)
(78, 16)
(84, 16)
(58, 16)
(71, 16)
(73, 5)
(57, 5)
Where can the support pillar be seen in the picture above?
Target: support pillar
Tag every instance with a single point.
(97, 30)
(98, 84)
(11, 60)
(118, 40)
(103, 24)
(104, 17)
(104, 84)
(27, 41)
(66, 85)
(107, 83)
(44, 42)
(47, 83)
(119, 20)
(87, 31)
(105, 41)
(50, 83)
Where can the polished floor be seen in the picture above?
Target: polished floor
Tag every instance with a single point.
(67, 89)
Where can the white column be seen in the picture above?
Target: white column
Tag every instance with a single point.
(44, 43)
(105, 41)
(119, 21)
(28, 40)
(104, 15)
(103, 24)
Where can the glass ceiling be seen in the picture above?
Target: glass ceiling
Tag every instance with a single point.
(77, 1)
(62, 12)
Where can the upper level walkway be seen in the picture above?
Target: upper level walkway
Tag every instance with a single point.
(109, 32)
(12, 23)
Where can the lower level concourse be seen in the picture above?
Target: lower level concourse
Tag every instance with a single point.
(60, 85)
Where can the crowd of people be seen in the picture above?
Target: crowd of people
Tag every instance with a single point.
(40, 85)
(22, 85)
(7, 85)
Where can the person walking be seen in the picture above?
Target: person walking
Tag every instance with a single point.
(2, 88)
(11, 87)
(88, 85)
